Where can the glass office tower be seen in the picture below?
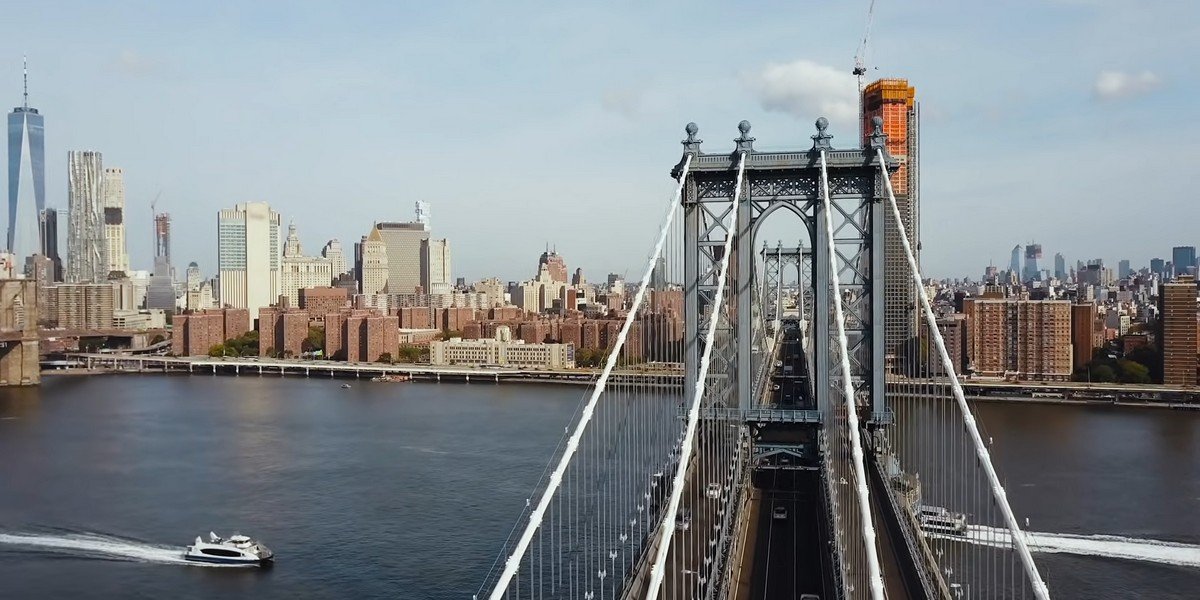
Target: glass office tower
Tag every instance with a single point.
(26, 178)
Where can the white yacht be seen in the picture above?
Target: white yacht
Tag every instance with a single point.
(237, 550)
(936, 519)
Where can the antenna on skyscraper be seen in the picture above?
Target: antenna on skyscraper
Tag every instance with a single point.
(25, 66)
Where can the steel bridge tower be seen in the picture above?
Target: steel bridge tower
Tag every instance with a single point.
(789, 181)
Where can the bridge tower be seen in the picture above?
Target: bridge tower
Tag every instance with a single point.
(777, 262)
(787, 180)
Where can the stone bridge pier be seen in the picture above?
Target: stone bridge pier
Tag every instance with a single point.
(18, 333)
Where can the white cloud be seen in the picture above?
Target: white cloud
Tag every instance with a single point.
(805, 89)
(134, 64)
(1111, 85)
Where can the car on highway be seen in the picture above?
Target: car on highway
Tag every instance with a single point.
(779, 513)
(713, 491)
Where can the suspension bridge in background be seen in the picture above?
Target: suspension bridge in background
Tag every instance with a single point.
(794, 458)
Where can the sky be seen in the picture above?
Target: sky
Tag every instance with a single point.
(525, 124)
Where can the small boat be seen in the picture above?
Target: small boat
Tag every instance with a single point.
(237, 550)
(345, 386)
(935, 519)
(386, 378)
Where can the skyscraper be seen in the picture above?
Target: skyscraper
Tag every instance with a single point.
(1060, 266)
(1033, 253)
(1123, 269)
(894, 100)
(114, 219)
(1184, 258)
(299, 271)
(658, 277)
(26, 177)
(160, 293)
(1177, 331)
(162, 236)
(87, 253)
(194, 278)
(1014, 263)
(1157, 266)
(337, 258)
(1093, 272)
(371, 263)
(437, 256)
(405, 242)
(48, 223)
(249, 247)
(555, 265)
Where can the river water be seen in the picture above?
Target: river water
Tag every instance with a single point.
(409, 490)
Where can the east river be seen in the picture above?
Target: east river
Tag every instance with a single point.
(389, 490)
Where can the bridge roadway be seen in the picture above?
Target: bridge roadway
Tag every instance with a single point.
(1067, 390)
(330, 368)
(980, 389)
(789, 520)
(51, 334)
(788, 551)
(790, 548)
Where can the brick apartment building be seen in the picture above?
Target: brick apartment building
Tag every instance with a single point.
(194, 334)
(320, 301)
(1018, 338)
(1177, 330)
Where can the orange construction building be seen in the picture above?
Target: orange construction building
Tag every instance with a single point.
(894, 101)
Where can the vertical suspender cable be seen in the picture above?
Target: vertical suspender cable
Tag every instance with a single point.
(860, 475)
(1035, 579)
(535, 519)
(685, 452)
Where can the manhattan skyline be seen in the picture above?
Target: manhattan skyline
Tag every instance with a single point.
(337, 125)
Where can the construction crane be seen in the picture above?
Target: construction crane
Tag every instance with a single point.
(860, 64)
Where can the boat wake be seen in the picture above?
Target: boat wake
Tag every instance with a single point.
(101, 546)
(1107, 546)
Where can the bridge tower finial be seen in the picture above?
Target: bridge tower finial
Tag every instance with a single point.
(821, 140)
(744, 142)
(692, 143)
(878, 137)
(691, 147)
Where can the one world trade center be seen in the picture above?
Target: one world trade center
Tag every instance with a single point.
(26, 178)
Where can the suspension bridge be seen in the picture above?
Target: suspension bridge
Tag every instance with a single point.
(794, 458)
